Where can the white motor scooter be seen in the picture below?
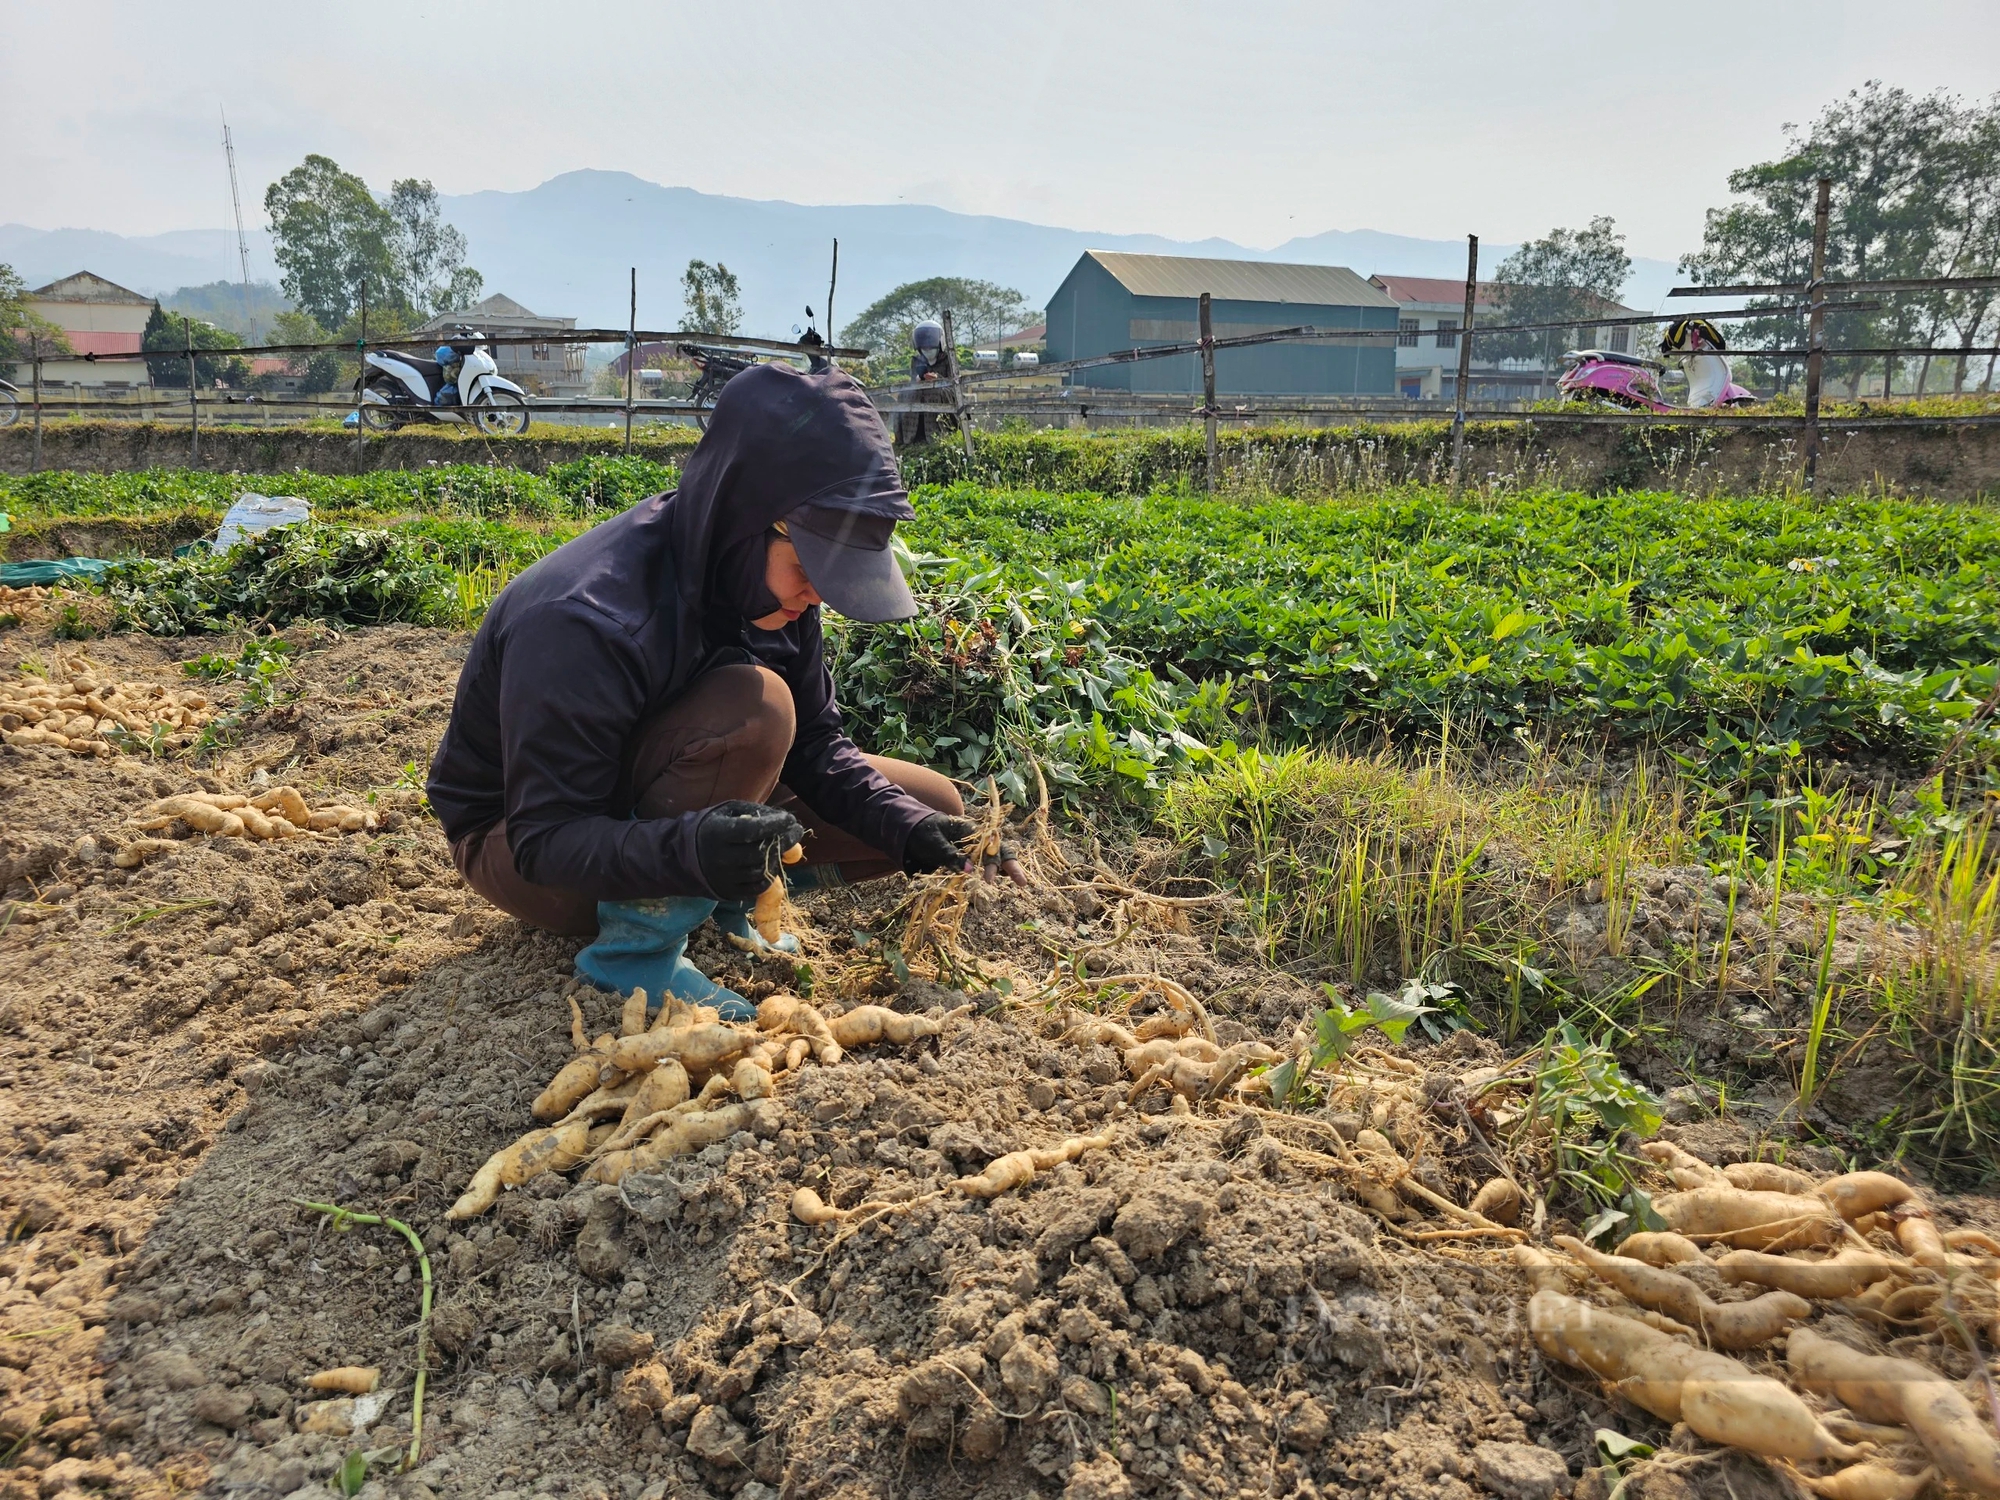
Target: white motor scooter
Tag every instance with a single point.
(398, 388)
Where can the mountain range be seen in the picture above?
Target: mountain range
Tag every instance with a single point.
(567, 248)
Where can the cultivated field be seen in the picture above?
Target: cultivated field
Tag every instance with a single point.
(1483, 875)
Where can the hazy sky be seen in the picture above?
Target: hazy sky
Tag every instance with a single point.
(1252, 121)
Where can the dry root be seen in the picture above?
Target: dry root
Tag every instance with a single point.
(1018, 1168)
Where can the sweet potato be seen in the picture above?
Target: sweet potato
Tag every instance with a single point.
(1757, 1320)
(1806, 1278)
(796, 1052)
(784, 1013)
(1857, 1193)
(348, 1380)
(1869, 1481)
(572, 1083)
(555, 1149)
(1649, 1286)
(701, 1048)
(659, 1088)
(809, 1208)
(1921, 1241)
(606, 1100)
(1719, 1398)
(201, 816)
(1499, 1199)
(339, 818)
(1165, 1023)
(1972, 1239)
(286, 802)
(137, 851)
(751, 1079)
(1018, 1168)
(866, 1024)
(1541, 1270)
(1145, 1056)
(686, 1135)
(1106, 1033)
(1688, 1171)
(1660, 1248)
(1766, 1177)
(1755, 1220)
(632, 1013)
(1883, 1389)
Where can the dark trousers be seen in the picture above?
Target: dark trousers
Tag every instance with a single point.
(725, 738)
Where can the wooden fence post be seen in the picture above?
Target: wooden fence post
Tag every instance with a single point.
(360, 383)
(35, 353)
(631, 358)
(961, 408)
(1205, 332)
(194, 411)
(1816, 331)
(1464, 364)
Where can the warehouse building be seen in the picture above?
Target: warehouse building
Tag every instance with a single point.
(1112, 301)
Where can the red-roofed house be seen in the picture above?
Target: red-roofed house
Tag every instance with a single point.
(97, 317)
(1430, 310)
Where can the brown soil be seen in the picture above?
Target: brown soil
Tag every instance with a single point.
(1201, 1308)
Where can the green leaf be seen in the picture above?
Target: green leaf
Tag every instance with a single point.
(353, 1473)
(1615, 1448)
(1394, 1013)
(1610, 1218)
(1512, 623)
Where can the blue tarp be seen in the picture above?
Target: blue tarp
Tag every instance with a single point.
(20, 575)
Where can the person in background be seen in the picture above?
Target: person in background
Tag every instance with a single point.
(450, 361)
(646, 721)
(927, 366)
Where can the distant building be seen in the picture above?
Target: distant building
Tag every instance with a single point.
(1112, 301)
(549, 368)
(97, 317)
(1429, 312)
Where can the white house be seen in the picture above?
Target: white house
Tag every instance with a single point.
(97, 317)
(1429, 312)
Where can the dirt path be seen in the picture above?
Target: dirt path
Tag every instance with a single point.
(1199, 1308)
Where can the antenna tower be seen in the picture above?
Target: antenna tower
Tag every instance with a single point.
(236, 202)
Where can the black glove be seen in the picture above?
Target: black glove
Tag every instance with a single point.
(934, 844)
(739, 847)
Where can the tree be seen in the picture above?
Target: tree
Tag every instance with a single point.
(175, 332)
(317, 372)
(711, 299)
(329, 234)
(22, 330)
(429, 254)
(980, 310)
(1914, 195)
(1566, 275)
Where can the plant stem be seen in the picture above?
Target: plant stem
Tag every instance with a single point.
(342, 1217)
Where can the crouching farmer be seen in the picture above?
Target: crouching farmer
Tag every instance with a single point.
(646, 721)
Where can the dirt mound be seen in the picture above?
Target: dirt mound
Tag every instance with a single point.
(1209, 1304)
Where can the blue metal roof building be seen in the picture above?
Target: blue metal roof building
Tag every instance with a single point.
(1112, 301)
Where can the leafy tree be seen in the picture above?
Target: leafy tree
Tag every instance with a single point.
(175, 332)
(431, 273)
(318, 372)
(1567, 274)
(329, 234)
(980, 310)
(249, 311)
(710, 295)
(22, 330)
(1914, 195)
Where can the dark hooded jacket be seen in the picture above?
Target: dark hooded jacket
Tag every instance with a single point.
(607, 630)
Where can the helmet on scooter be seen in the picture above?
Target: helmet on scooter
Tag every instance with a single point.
(444, 354)
(1687, 334)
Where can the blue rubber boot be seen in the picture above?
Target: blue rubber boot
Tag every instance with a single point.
(733, 917)
(643, 945)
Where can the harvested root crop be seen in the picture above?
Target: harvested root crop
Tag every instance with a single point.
(1719, 1398)
(809, 1208)
(280, 813)
(1843, 1276)
(137, 851)
(1687, 1170)
(788, 1013)
(1660, 1248)
(1018, 1168)
(1869, 1481)
(348, 1380)
(574, 1082)
(1921, 1240)
(1729, 1325)
(1753, 1220)
(768, 914)
(555, 1149)
(74, 709)
(1856, 1194)
(701, 1048)
(1879, 1388)
(1766, 1177)
(1499, 1200)
(867, 1024)
(683, 1137)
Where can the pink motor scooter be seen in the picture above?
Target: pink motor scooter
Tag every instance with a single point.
(1630, 381)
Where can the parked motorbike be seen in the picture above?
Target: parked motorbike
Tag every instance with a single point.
(1627, 380)
(10, 403)
(398, 388)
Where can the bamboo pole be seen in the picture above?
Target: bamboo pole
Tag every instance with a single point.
(1464, 364)
(35, 353)
(631, 358)
(1816, 330)
(360, 382)
(194, 410)
(1205, 327)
